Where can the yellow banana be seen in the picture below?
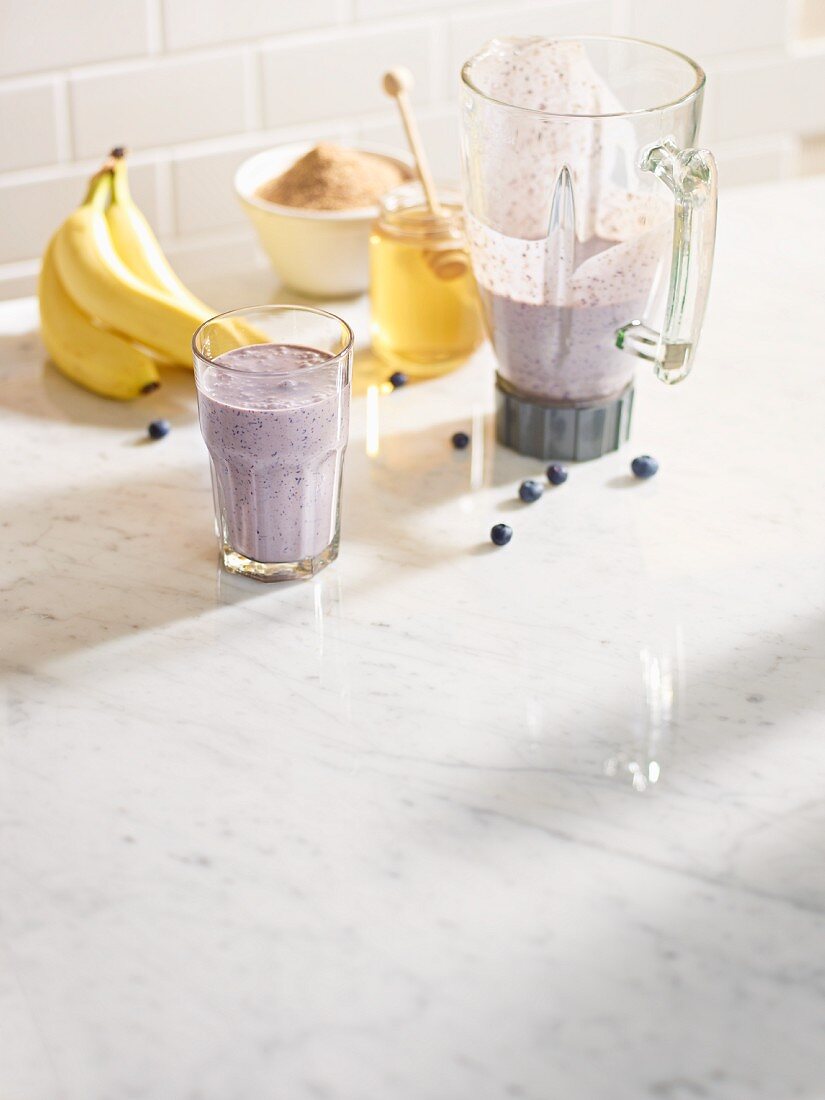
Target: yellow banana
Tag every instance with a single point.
(102, 286)
(140, 250)
(101, 361)
(137, 245)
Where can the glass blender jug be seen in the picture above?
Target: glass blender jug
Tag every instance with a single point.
(569, 148)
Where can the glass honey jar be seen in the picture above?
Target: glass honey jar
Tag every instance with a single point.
(425, 314)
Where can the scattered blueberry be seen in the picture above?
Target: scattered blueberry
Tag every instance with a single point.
(556, 473)
(398, 379)
(644, 466)
(460, 440)
(501, 534)
(530, 490)
(159, 428)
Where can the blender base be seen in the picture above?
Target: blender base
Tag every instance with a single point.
(561, 431)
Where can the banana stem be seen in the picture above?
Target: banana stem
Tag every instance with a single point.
(120, 180)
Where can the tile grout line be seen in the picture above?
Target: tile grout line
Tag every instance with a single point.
(253, 91)
(154, 27)
(166, 198)
(63, 120)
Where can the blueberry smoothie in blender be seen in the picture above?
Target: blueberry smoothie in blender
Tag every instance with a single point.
(566, 146)
(555, 340)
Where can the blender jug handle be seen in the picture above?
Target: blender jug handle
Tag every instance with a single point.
(692, 177)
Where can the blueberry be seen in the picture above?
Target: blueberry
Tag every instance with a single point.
(530, 490)
(460, 440)
(501, 534)
(556, 473)
(644, 466)
(159, 428)
(398, 379)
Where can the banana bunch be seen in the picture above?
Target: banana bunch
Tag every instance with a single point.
(111, 307)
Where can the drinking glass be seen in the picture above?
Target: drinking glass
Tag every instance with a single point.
(273, 388)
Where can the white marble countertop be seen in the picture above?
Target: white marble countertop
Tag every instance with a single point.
(447, 822)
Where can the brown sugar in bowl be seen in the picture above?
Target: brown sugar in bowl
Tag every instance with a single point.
(323, 253)
(334, 177)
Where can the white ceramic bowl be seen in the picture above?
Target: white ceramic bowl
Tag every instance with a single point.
(322, 253)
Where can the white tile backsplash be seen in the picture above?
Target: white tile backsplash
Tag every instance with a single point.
(190, 23)
(213, 254)
(28, 124)
(746, 98)
(194, 86)
(158, 103)
(755, 161)
(372, 9)
(713, 26)
(338, 74)
(439, 132)
(203, 181)
(53, 34)
(204, 195)
(19, 280)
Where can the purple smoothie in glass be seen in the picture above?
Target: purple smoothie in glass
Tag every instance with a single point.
(275, 423)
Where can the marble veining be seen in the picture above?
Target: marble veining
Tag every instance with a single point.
(448, 822)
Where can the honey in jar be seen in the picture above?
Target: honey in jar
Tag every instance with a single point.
(425, 313)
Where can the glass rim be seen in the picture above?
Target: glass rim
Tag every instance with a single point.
(408, 187)
(400, 206)
(698, 71)
(280, 308)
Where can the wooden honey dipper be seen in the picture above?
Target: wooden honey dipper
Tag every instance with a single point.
(448, 263)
